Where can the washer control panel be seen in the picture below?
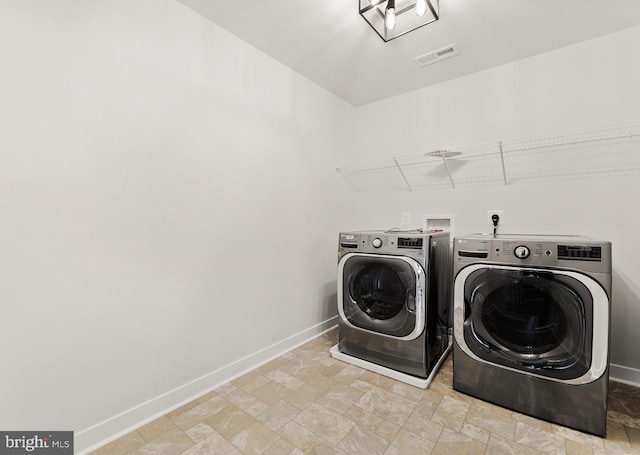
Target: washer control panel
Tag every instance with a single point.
(404, 243)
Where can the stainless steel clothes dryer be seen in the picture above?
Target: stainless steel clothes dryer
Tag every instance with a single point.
(531, 325)
(394, 298)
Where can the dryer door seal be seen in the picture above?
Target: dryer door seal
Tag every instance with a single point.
(547, 323)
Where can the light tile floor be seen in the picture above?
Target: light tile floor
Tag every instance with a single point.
(306, 402)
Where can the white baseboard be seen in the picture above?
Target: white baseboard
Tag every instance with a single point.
(626, 375)
(92, 438)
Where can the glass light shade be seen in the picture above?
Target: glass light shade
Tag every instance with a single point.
(421, 7)
(390, 20)
(406, 16)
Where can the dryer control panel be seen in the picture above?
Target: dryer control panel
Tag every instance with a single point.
(531, 250)
(580, 252)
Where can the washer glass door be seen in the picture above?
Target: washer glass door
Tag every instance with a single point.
(382, 294)
(537, 321)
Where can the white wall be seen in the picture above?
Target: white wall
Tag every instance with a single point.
(590, 84)
(169, 205)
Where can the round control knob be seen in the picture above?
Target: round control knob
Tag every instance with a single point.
(377, 243)
(522, 252)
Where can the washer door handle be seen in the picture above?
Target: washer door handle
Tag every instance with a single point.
(410, 300)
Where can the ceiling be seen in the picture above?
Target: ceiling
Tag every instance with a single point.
(329, 43)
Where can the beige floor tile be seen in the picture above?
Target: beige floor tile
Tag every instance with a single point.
(213, 444)
(271, 393)
(388, 430)
(498, 423)
(238, 396)
(425, 428)
(361, 385)
(432, 396)
(425, 409)
(340, 398)
(198, 414)
(575, 448)
(475, 432)
(475, 403)
(634, 437)
(321, 382)
(451, 413)
(361, 440)
(377, 380)
(326, 424)
(454, 443)
(349, 374)
(304, 396)
(624, 398)
(494, 409)
(497, 445)
(616, 433)
(407, 391)
(386, 405)
(546, 426)
(154, 429)
(281, 362)
(182, 409)
(278, 415)
(305, 369)
(442, 388)
(200, 432)
(223, 389)
(256, 408)
(624, 419)
(407, 442)
(229, 421)
(250, 382)
(280, 447)
(284, 379)
(309, 350)
(321, 447)
(173, 442)
(123, 445)
(324, 358)
(576, 436)
(334, 369)
(298, 435)
(255, 439)
(539, 439)
(613, 448)
(363, 418)
(207, 396)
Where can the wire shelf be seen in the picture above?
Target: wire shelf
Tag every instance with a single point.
(601, 151)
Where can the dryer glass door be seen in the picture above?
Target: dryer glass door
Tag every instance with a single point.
(531, 320)
(382, 293)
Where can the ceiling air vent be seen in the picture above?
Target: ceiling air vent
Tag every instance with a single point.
(438, 55)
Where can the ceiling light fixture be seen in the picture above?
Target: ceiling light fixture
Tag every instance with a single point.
(393, 18)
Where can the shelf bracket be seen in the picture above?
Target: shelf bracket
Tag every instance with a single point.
(504, 171)
(446, 165)
(402, 173)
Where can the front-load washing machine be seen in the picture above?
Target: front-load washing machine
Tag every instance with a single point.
(394, 299)
(531, 325)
